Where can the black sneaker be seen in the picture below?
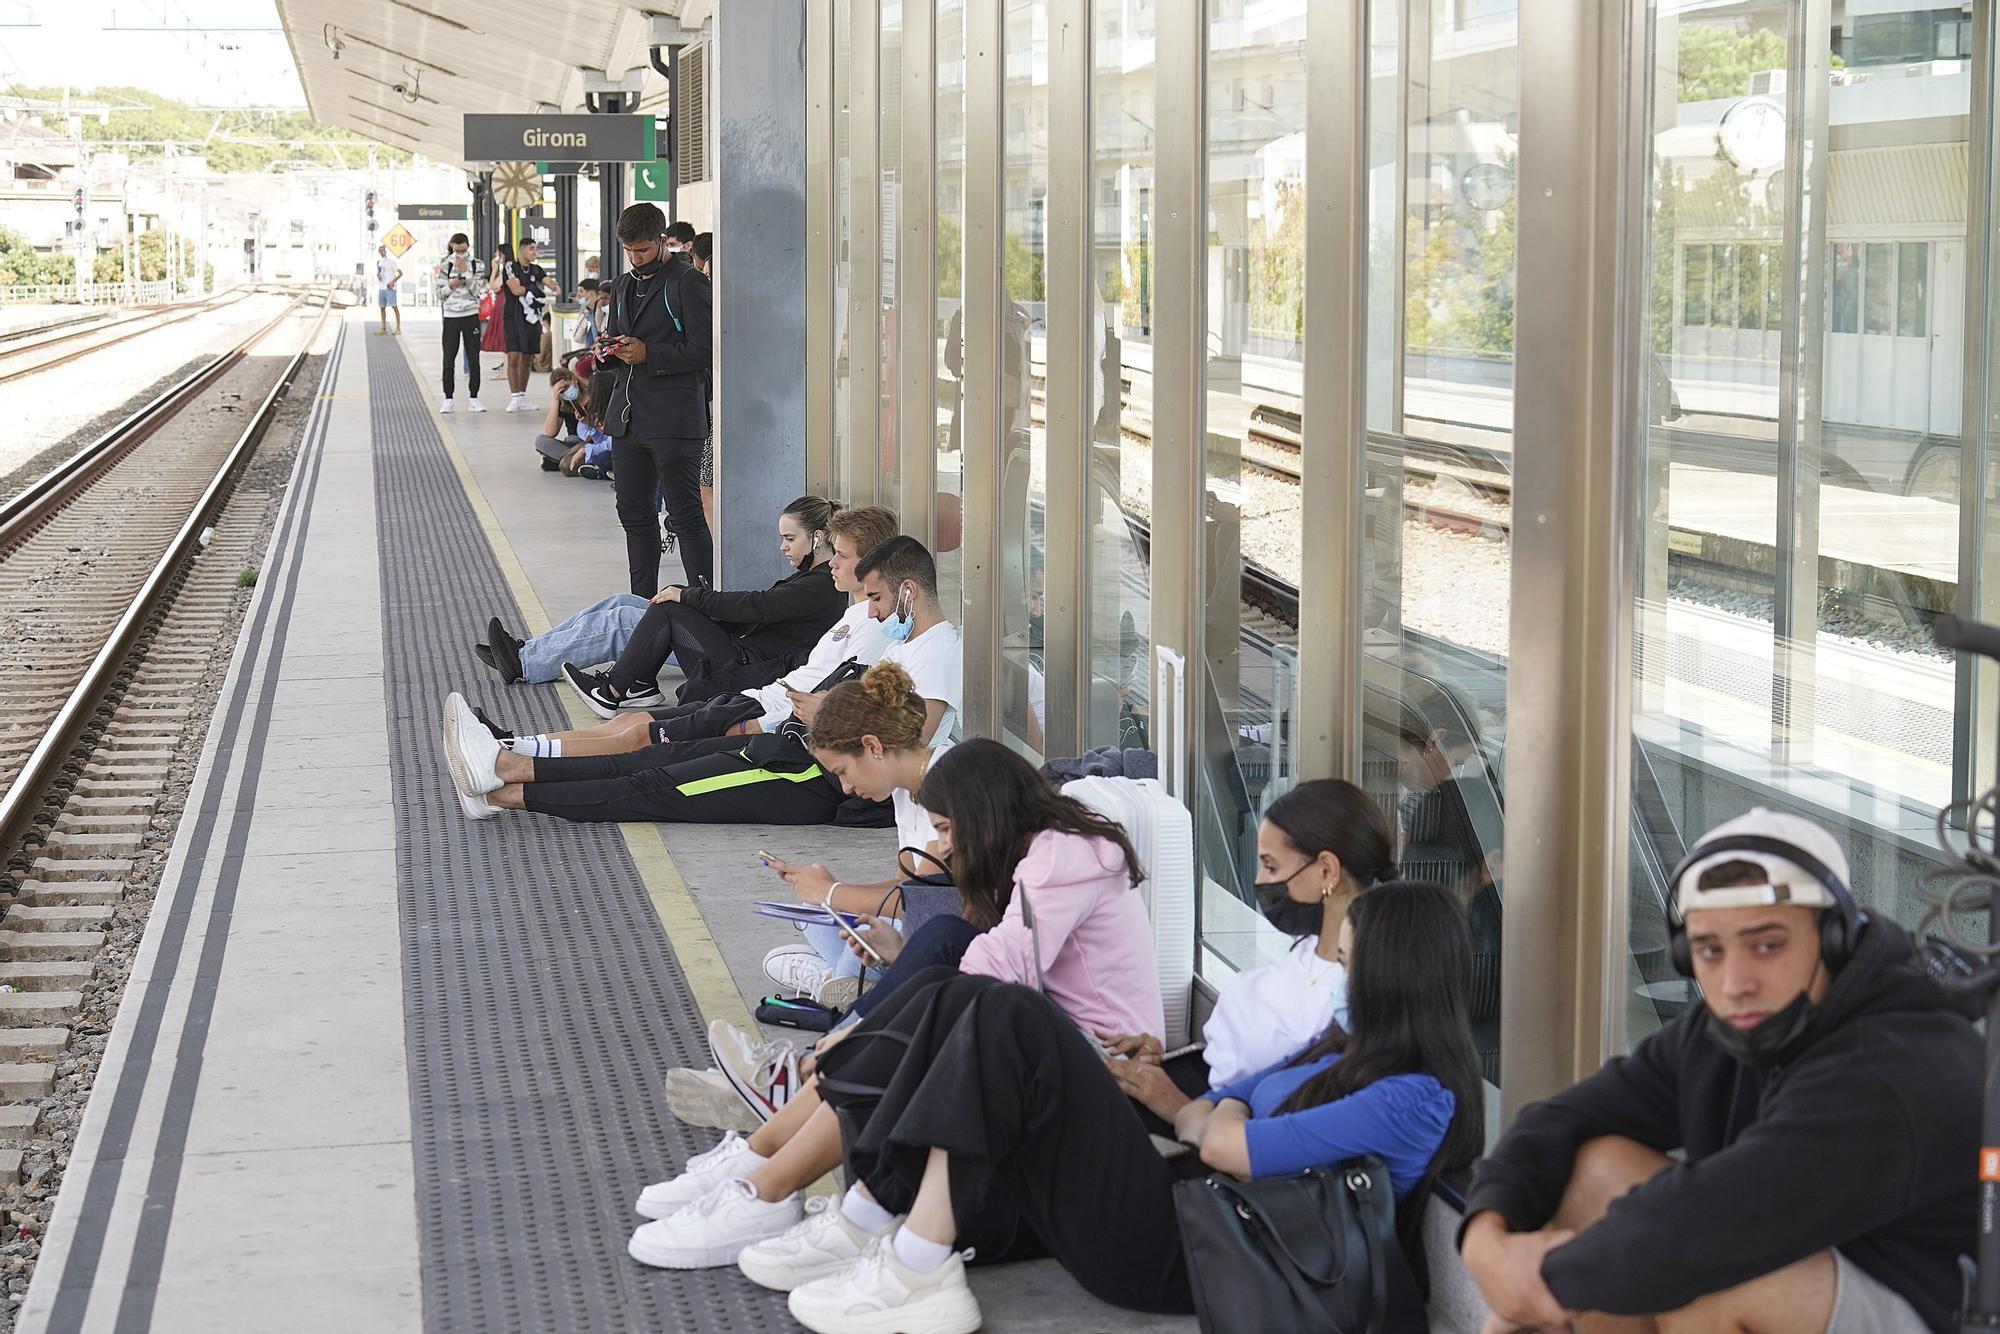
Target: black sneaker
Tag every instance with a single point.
(505, 651)
(601, 699)
(485, 655)
(499, 733)
(550, 465)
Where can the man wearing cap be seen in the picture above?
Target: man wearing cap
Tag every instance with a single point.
(1824, 1102)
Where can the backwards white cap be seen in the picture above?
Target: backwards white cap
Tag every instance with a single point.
(1785, 880)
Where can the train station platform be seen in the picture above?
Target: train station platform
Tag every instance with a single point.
(380, 1068)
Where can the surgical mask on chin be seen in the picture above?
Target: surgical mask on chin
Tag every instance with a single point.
(1286, 913)
(571, 394)
(897, 628)
(1771, 1043)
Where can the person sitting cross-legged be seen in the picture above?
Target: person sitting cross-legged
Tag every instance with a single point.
(1824, 1097)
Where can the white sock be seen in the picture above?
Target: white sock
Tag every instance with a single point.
(535, 747)
(864, 1212)
(919, 1255)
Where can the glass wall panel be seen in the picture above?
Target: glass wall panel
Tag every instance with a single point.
(1800, 471)
(1121, 275)
(890, 451)
(950, 329)
(1023, 341)
(843, 233)
(1256, 265)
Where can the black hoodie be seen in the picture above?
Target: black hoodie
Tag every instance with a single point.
(1865, 1141)
(781, 621)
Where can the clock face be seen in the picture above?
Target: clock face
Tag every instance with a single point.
(1487, 186)
(1753, 134)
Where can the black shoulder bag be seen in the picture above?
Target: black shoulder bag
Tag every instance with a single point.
(1313, 1252)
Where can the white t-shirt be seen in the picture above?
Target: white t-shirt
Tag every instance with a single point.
(935, 661)
(913, 823)
(855, 635)
(1268, 1014)
(385, 269)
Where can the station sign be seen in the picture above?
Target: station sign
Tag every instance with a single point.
(431, 212)
(582, 138)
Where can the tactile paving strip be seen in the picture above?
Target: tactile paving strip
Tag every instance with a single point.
(543, 1003)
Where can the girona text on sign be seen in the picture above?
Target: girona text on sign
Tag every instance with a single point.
(585, 138)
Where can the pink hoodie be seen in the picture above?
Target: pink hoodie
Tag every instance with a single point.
(1097, 941)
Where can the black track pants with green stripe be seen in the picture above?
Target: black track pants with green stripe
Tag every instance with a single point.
(726, 788)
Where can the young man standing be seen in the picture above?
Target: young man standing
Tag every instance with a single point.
(526, 291)
(460, 278)
(1824, 1096)
(658, 318)
(387, 274)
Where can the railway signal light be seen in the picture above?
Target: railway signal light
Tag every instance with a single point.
(77, 199)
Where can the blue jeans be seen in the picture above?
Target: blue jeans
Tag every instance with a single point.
(596, 634)
(832, 947)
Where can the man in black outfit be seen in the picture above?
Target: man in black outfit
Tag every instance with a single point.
(658, 315)
(1824, 1095)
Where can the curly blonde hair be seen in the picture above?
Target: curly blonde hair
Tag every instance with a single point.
(883, 704)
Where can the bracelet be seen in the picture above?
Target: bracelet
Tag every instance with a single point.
(835, 888)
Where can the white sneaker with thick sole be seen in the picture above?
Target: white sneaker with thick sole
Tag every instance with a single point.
(707, 1098)
(879, 1294)
(476, 808)
(516, 403)
(470, 751)
(764, 1073)
(824, 1244)
(445, 407)
(714, 1229)
(704, 1172)
(797, 968)
(474, 405)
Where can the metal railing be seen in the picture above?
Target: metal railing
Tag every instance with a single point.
(93, 294)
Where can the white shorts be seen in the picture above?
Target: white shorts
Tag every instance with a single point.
(1864, 1305)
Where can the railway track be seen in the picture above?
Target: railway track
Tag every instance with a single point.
(54, 347)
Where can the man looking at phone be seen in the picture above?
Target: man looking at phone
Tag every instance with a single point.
(656, 327)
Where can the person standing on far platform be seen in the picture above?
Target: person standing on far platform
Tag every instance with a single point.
(527, 302)
(656, 323)
(460, 277)
(387, 274)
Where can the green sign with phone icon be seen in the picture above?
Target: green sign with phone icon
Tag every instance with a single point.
(651, 180)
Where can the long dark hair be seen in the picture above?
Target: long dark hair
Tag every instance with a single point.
(997, 803)
(1333, 815)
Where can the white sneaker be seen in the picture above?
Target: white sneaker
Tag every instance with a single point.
(707, 1098)
(474, 405)
(470, 751)
(475, 808)
(703, 1173)
(517, 402)
(764, 1073)
(823, 1245)
(714, 1229)
(879, 1294)
(797, 968)
(444, 408)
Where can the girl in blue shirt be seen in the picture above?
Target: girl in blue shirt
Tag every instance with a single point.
(995, 1127)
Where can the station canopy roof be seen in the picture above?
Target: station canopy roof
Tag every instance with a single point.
(406, 72)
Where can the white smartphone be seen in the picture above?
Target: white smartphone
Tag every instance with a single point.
(847, 929)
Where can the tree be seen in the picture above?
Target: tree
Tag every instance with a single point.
(1278, 266)
(22, 265)
(950, 258)
(1024, 271)
(110, 266)
(144, 124)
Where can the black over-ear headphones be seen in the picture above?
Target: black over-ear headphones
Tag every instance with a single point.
(1839, 927)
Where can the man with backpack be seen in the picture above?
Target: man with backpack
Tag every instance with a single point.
(1824, 1096)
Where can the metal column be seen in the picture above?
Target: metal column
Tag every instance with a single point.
(985, 84)
(760, 278)
(916, 276)
(820, 207)
(1578, 352)
(1071, 357)
(1977, 711)
(569, 267)
(862, 463)
(1179, 376)
(610, 191)
(1335, 439)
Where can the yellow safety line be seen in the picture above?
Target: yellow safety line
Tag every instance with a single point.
(701, 961)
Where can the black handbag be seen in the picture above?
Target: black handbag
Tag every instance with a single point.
(1312, 1252)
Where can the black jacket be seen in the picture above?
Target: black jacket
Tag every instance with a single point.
(664, 397)
(787, 618)
(1866, 1142)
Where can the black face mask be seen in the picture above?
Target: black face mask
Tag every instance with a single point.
(1286, 913)
(651, 266)
(1775, 1040)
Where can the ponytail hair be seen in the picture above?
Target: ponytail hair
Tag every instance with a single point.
(883, 704)
(815, 512)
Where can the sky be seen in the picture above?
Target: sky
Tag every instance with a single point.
(154, 44)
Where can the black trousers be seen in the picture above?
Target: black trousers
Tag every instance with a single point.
(461, 331)
(703, 719)
(940, 942)
(1047, 1156)
(643, 471)
(666, 629)
(689, 782)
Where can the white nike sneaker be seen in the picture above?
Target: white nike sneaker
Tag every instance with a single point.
(764, 1073)
(823, 1245)
(474, 405)
(476, 808)
(703, 1173)
(470, 751)
(714, 1229)
(444, 408)
(879, 1294)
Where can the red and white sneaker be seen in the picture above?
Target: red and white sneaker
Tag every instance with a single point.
(764, 1073)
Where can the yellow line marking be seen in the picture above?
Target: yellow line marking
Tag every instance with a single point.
(701, 961)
